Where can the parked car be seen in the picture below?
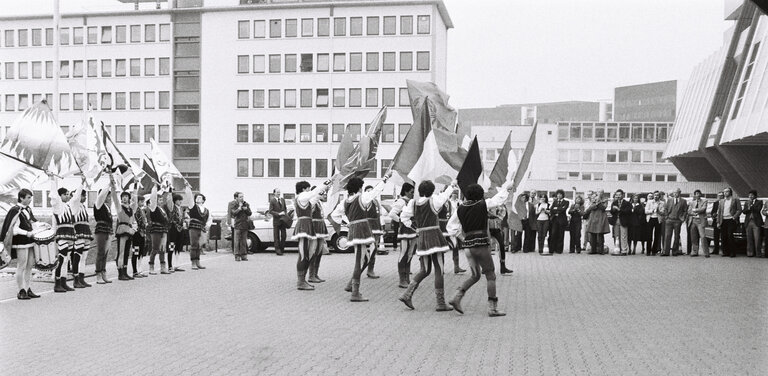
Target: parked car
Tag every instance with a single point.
(739, 236)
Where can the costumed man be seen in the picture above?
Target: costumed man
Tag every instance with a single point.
(126, 228)
(158, 230)
(103, 216)
(374, 220)
(469, 224)
(443, 215)
(62, 209)
(405, 235)
(304, 231)
(421, 214)
(139, 239)
(496, 216)
(17, 237)
(355, 207)
(175, 239)
(321, 235)
(83, 234)
(199, 221)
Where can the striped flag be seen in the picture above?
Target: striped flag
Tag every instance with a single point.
(167, 171)
(505, 165)
(521, 171)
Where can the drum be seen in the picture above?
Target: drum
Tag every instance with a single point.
(5, 258)
(44, 236)
(46, 250)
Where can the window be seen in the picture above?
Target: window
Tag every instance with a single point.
(562, 132)
(242, 99)
(257, 167)
(149, 100)
(120, 101)
(37, 37)
(389, 61)
(290, 98)
(9, 38)
(387, 132)
(273, 168)
(120, 34)
(149, 67)
(356, 26)
(24, 39)
(648, 133)
(636, 156)
(647, 177)
(77, 101)
(339, 26)
(306, 97)
(274, 98)
(135, 97)
(243, 65)
(24, 70)
(258, 98)
(306, 62)
(258, 133)
(600, 132)
(355, 97)
(106, 34)
(63, 70)
(372, 27)
(242, 167)
(422, 60)
(9, 71)
(290, 62)
(119, 67)
(289, 168)
(321, 133)
(259, 29)
(165, 32)
(149, 33)
(93, 34)
(612, 156)
(354, 130)
(372, 97)
(64, 102)
(321, 168)
(305, 133)
(611, 132)
(661, 133)
(242, 133)
(575, 131)
(164, 100)
(647, 156)
(388, 97)
(135, 33)
(149, 132)
(372, 61)
(406, 24)
(573, 156)
(390, 25)
(624, 132)
(274, 133)
(321, 99)
(660, 157)
(623, 156)
(355, 61)
(243, 29)
(120, 133)
(305, 168)
(135, 67)
(323, 62)
(274, 63)
(339, 99)
(423, 26)
(406, 61)
(586, 155)
(134, 134)
(660, 177)
(164, 134)
(10, 103)
(307, 27)
(64, 36)
(275, 28)
(106, 68)
(744, 82)
(258, 64)
(323, 27)
(622, 177)
(671, 177)
(402, 131)
(337, 132)
(106, 101)
(405, 100)
(339, 62)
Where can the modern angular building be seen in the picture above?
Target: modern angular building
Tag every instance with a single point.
(721, 130)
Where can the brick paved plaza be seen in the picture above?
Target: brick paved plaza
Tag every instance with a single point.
(567, 314)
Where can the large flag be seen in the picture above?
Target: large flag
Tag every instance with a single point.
(358, 160)
(472, 168)
(149, 177)
(505, 166)
(521, 171)
(87, 147)
(14, 175)
(166, 171)
(128, 171)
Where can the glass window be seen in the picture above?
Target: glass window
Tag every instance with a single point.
(321, 168)
(305, 132)
(339, 99)
(64, 102)
(600, 132)
(134, 134)
(371, 97)
(406, 61)
(671, 177)
(337, 132)
(575, 131)
(106, 68)
(305, 168)
(649, 133)
(389, 61)
(586, 155)
(164, 134)
(291, 28)
(77, 101)
(354, 130)
(402, 131)
(165, 32)
(48, 69)
(289, 168)
(24, 39)
(372, 61)
(586, 132)
(242, 133)
(119, 67)
(10, 104)
(611, 132)
(423, 26)
(390, 25)
(290, 63)
(149, 100)
(149, 132)
(355, 61)
(624, 133)
(623, 156)
(258, 64)
(274, 98)
(388, 97)
(274, 133)
(274, 63)
(355, 97)
(77, 35)
(163, 100)
(306, 97)
(660, 157)
(356, 26)
(273, 168)
(120, 34)
(257, 169)
(93, 35)
(106, 101)
(323, 62)
(63, 70)
(275, 28)
(258, 133)
(9, 38)
(243, 65)
(259, 29)
(636, 156)
(106, 34)
(306, 62)
(258, 98)
(406, 24)
(120, 101)
(637, 132)
(165, 66)
(321, 133)
(120, 133)
(339, 62)
(64, 36)
(339, 26)
(372, 27)
(135, 100)
(9, 71)
(242, 167)
(149, 33)
(622, 177)
(573, 156)
(135, 67)
(387, 132)
(422, 60)
(289, 99)
(323, 27)
(24, 70)
(612, 156)
(37, 37)
(322, 98)
(661, 133)
(135, 33)
(242, 99)
(149, 67)
(647, 156)
(307, 27)
(405, 99)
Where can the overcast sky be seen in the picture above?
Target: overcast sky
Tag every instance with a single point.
(517, 51)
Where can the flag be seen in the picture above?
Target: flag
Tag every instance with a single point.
(445, 115)
(86, 147)
(15, 175)
(472, 168)
(166, 171)
(128, 171)
(505, 165)
(525, 159)
(149, 176)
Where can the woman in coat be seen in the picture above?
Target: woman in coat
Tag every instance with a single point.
(574, 225)
(597, 225)
(638, 231)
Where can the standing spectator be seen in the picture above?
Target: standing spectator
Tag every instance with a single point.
(576, 211)
(558, 221)
(715, 226)
(231, 221)
(621, 212)
(653, 223)
(676, 209)
(277, 210)
(597, 225)
(241, 215)
(765, 231)
(638, 231)
(496, 217)
(542, 221)
(697, 220)
(584, 235)
(526, 212)
(753, 221)
(515, 226)
(728, 213)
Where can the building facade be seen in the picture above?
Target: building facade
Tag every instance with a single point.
(655, 101)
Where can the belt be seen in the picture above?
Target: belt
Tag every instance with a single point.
(427, 228)
(359, 221)
(476, 232)
(304, 217)
(82, 223)
(318, 220)
(123, 223)
(66, 225)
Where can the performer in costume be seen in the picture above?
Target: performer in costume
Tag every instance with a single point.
(199, 222)
(62, 210)
(17, 237)
(175, 240)
(321, 235)
(139, 239)
(158, 230)
(355, 207)
(470, 223)
(421, 214)
(126, 228)
(405, 235)
(84, 237)
(374, 220)
(103, 216)
(304, 231)
(443, 215)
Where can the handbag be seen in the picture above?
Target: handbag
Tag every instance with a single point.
(286, 220)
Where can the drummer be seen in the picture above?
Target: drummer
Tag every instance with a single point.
(17, 236)
(62, 209)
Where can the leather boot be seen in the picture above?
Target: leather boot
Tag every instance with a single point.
(456, 301)
(152, 269)
(302, 282)
(493, 310)
(104, 277)
(356, 296)
(194, 265)
(22, 295)
(122, 274)
(64, 284)
(81, 276)
(77, 283)
(125, 271)
(403, 280)
(441, 306)
(371, 274)
(456, 268)
(313, 274)
(408, 294)
(349, 286)
(32, 294)
(163, 269)
(503, 270)
(57, 286)
(197, 263)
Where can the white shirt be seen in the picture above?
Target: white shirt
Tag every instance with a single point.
(727, 208)
(454, 224)
(365, 198)
(437, 202)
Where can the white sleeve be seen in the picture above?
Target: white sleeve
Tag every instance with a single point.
(304, 197)
(407, 214)
(338, 213)
(367, 197)
(397, 208)
(498, 199)
(439, 200)
(454, 225)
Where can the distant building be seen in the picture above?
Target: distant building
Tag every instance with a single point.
(654, 101)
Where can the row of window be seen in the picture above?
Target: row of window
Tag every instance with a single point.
(89, 35)
(287, 133)
(610, 156)
(108, 101)
(90, 68)
(126, 134)
(292, 98)
(286, 168)
(607, 176)
(374, 62)
(321, 27)
(614, 132)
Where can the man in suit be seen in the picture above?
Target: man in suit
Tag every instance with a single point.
(765, 230)
(728, 213)
(240, 214)
(276, 209)
(753, 221)
(715, 227)
(621, 213)
(697, 220)
(230, 222)
(676, 211)
(558, 219)
(527, 213)
(515, 226)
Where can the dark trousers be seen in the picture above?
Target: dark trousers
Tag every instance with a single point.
(396, 226)
(654, 232)
(194, 244)
(518, 244)
(529, 242)
(499, 236)
(557, 236)
(727, 228)
(688, 243)
(575, 231)
(543, 232)
(672, 227)
(278, 230)
(597, 242)
(716, 240)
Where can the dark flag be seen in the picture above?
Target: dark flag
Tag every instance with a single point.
(472, 168)
(525, 160)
